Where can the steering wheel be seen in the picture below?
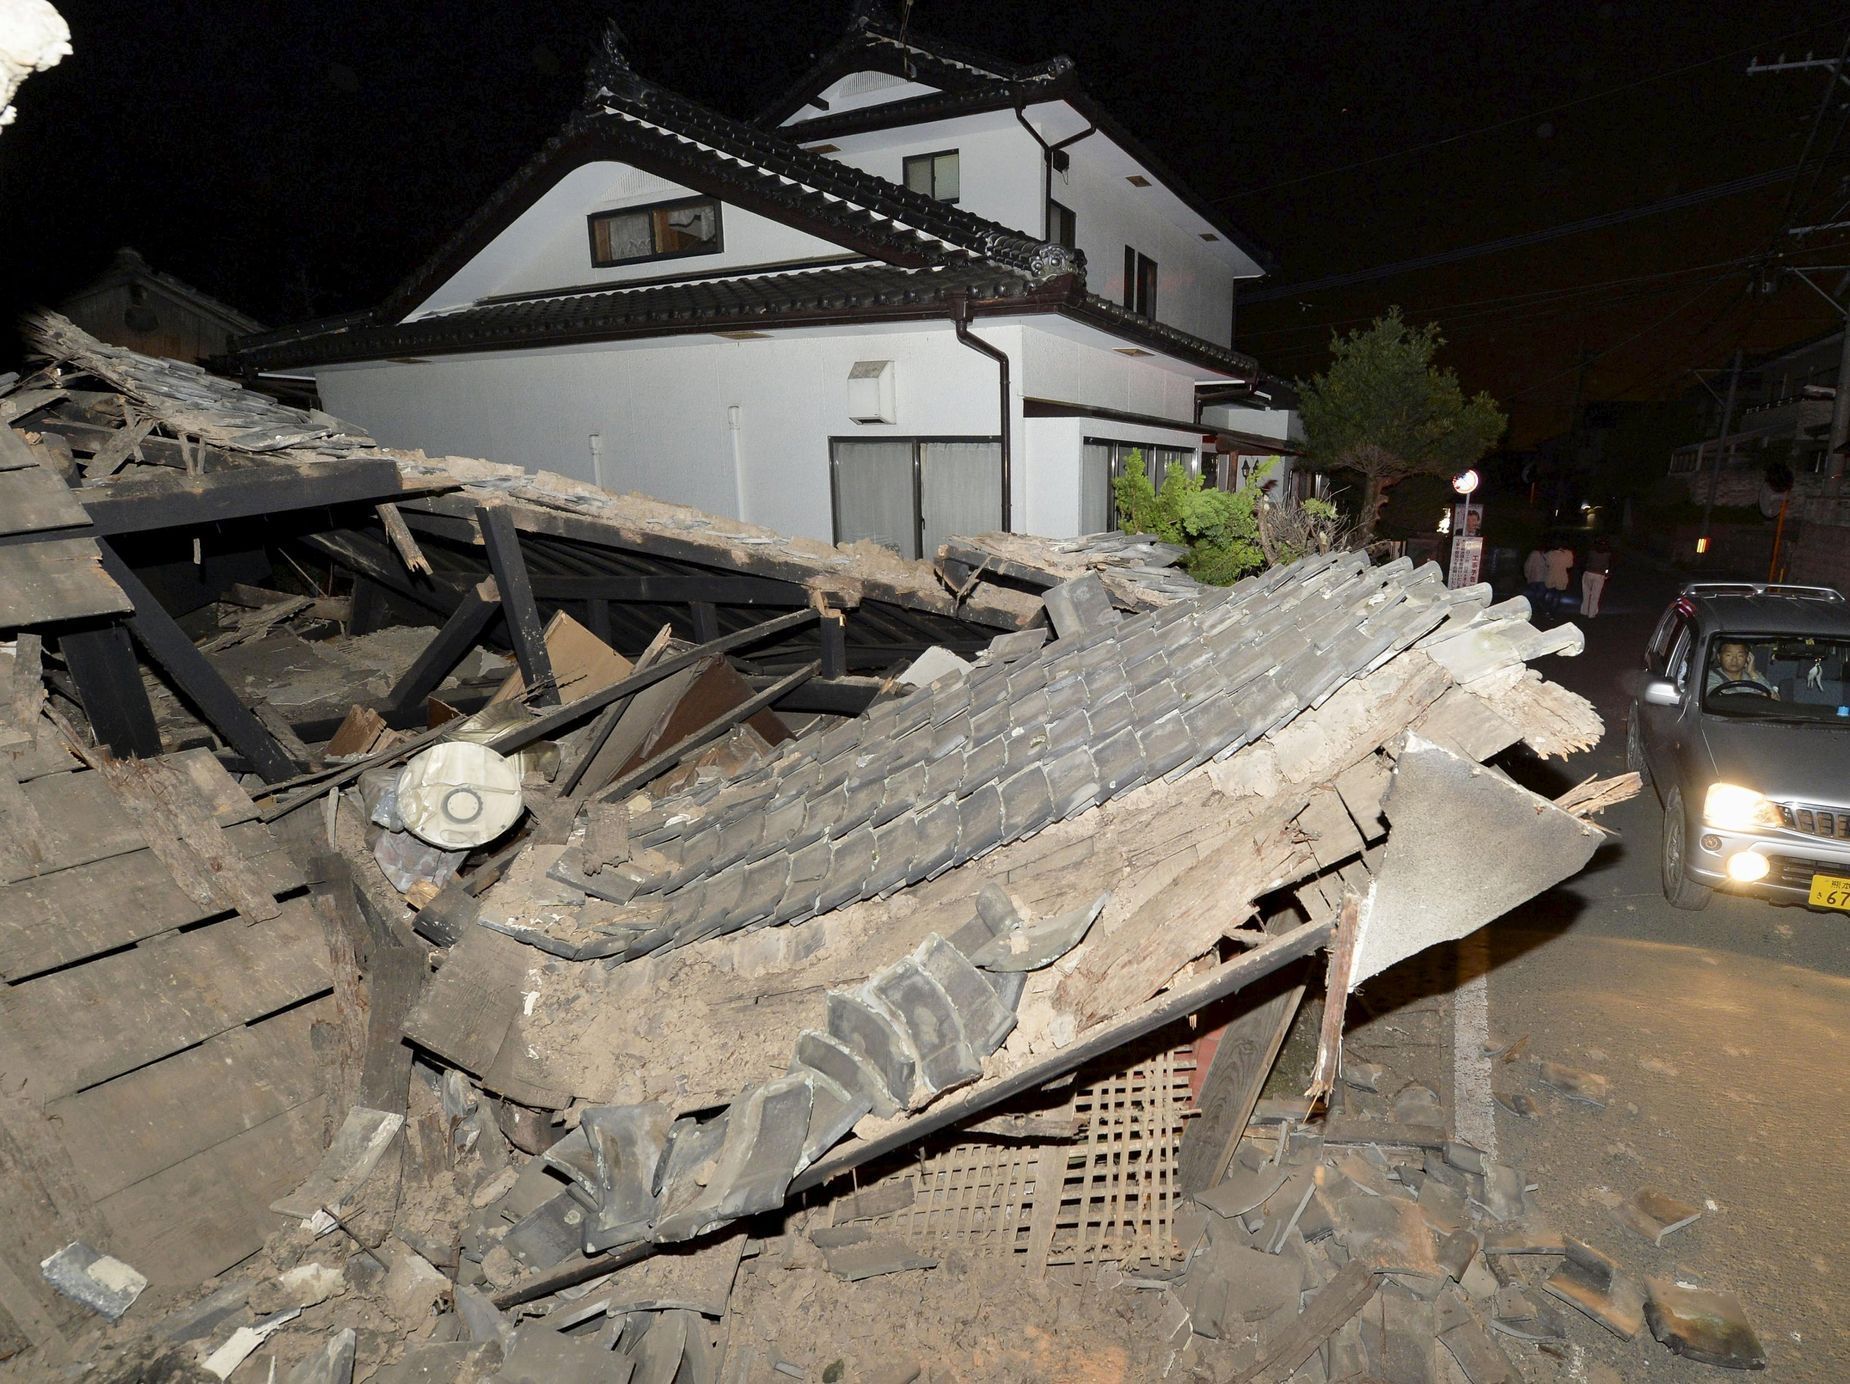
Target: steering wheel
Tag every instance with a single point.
(1742, 685)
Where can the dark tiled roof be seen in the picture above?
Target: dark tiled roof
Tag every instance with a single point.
(874, 292)
(877, 41)
(927, 782)
(932, 251)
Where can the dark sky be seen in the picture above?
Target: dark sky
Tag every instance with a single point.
(300, 160)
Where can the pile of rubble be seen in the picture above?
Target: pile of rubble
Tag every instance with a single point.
(621, 1008)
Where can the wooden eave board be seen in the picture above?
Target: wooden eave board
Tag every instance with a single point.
(81, 1026)
(65, 916)
(204, 1214)
(34, 499)
(138, 1125)
(51, 582)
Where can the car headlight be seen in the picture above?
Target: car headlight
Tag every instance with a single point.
(1734, 808)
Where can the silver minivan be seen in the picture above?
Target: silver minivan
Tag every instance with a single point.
(1743, 726)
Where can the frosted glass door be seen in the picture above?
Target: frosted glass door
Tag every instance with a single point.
(960, 489)
(874, 494)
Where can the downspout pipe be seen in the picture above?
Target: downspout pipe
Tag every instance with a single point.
(960, 320)
(1047, 153)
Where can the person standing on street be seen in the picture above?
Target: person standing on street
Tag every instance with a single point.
(1560, 561)
(1534, 578)
(1593, 577)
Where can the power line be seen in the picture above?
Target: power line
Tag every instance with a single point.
(1519, 119)
(1613, 218)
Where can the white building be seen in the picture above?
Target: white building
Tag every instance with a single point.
(927, 292)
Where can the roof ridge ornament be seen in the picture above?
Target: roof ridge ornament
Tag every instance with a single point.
(609, 72)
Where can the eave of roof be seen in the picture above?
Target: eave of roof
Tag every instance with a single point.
(824, 297)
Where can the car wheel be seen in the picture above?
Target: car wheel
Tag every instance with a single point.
(1634, 747)
(1679, 889)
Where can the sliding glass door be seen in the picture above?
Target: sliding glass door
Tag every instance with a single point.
(911, 493)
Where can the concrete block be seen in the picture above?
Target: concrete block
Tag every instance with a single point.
(1080, 606)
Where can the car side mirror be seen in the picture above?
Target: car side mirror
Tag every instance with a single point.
(1661, 692)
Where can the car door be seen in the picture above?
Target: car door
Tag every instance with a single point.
(1670, 655)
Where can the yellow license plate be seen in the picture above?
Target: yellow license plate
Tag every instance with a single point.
(1830, 891)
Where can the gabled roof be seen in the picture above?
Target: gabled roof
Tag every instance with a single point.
(129, 267)
(968, 83)
(627, 118)
(876, 41)
(931, 254)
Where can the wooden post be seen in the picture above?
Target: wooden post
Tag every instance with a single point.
(168, 645)
(525, 628)
(102, 661)
(446, 647)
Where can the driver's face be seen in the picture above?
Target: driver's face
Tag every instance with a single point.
(1734, 659)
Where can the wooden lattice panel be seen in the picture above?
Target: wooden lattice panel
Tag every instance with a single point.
(1110, 1190)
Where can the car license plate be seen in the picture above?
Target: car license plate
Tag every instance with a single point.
(1830, 891)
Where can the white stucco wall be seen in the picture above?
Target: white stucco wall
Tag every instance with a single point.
(1194, 282)
(663, 411)
(999, 164)
(548, 245)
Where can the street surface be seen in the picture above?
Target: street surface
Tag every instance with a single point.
(1723, 1035)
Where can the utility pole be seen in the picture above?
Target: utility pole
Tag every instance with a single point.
(1721, 438)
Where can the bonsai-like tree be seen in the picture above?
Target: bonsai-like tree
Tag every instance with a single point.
(1384, 411)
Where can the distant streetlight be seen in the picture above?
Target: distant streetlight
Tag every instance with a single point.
(1464, 484)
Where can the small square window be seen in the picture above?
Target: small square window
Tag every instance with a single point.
(667, 230)
(935, 175)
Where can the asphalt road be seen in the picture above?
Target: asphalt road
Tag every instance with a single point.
(1723, 1036)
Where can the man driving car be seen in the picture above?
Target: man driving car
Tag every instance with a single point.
(1734, 663)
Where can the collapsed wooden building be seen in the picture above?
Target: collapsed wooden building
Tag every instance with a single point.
(459, 916)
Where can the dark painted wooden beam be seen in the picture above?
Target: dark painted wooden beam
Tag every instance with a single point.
(168, 645)
(446, 648)
(718, 589)
(361, 555)
(108, 677)
(525, 629)
(834, 645)
(835, 696)
(705, 620)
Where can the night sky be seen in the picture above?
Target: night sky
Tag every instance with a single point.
(297, 161)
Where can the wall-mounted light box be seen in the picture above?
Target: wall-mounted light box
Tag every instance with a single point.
(871, 392)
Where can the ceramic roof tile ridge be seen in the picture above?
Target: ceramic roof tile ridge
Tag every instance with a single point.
(956, 769)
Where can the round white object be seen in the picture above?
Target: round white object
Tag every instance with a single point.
(1465, 482)
(457, 795)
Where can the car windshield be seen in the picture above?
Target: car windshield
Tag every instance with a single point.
(1783, 677)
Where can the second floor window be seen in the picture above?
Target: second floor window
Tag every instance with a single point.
(1139, 283)
(935, 175)
(1062, 228)
(667, 230)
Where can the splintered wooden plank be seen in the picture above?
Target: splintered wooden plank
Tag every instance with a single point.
(469, 1004)
(83, 1025)
(135, 1126)
(54, 581)
(1242, 1060)
(81, 819)
(35, 499)
(89, 909)
(204, 1214)
(181, 827)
